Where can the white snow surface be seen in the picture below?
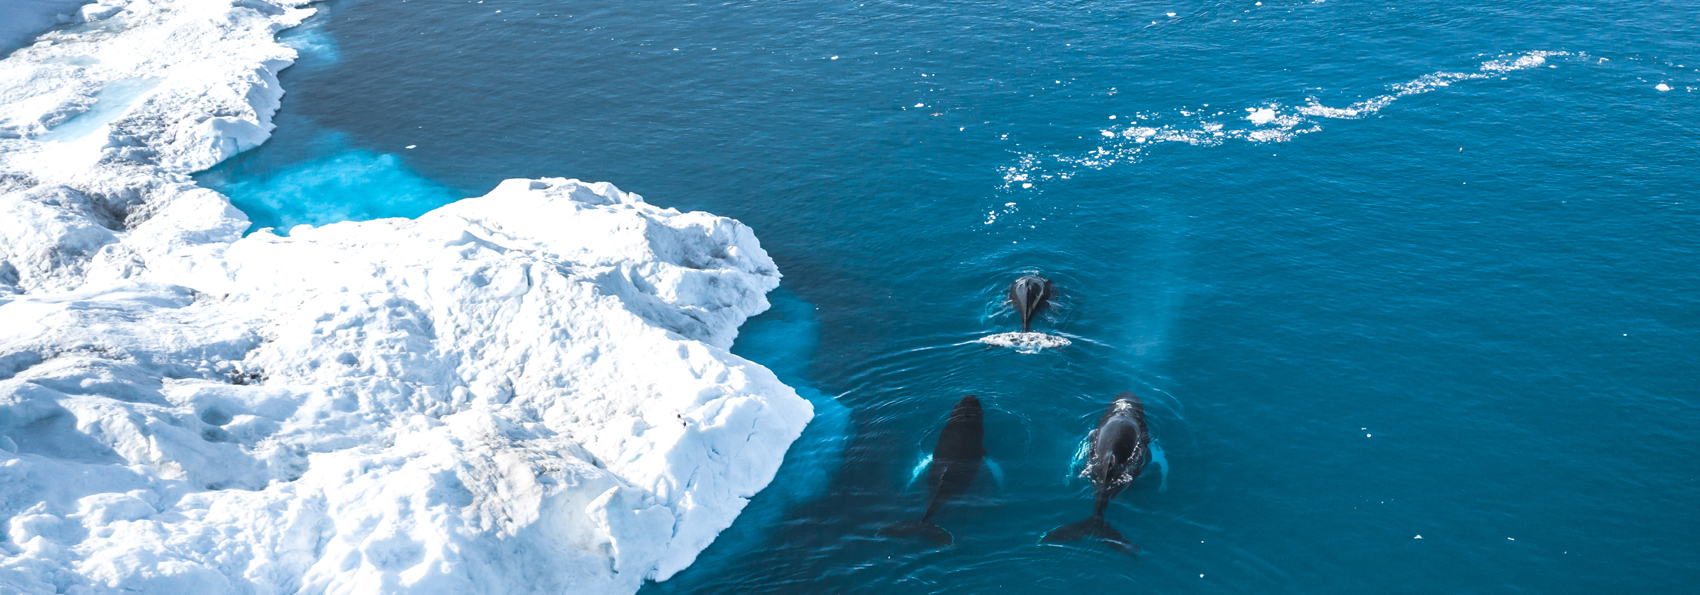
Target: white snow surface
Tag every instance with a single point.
(528, 391)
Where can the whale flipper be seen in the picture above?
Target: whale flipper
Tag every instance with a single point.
(927, 529)
(1093, 526)
(997, 471)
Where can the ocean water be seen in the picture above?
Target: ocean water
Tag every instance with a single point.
(1378, 270)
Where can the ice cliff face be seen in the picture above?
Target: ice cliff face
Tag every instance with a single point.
(523, 392)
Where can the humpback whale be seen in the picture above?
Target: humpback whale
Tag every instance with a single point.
(1121, 446)
(1030, 294)
(956, 461)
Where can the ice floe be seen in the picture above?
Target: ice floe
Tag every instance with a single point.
(528, 391)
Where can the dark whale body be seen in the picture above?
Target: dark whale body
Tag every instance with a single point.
(1121, 446)
(1030, 294)
(956, 461)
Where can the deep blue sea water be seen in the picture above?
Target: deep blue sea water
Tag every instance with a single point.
(1470, 313)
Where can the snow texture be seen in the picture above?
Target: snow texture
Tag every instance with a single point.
(528, 391)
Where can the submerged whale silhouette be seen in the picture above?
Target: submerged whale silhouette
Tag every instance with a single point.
(1030, 294)
(1121, 446)
(956, 462)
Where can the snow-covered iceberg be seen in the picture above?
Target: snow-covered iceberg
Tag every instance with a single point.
(528, 391)
(22, 20)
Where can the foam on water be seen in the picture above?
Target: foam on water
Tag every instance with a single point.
(310, 39)
(1077, 463)
(1026, 342)
(1271, 122)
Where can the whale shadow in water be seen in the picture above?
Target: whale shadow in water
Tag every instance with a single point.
(1120, 447)
(955, 463)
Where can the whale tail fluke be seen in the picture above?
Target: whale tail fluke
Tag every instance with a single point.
(1093, 526)
(926, 529)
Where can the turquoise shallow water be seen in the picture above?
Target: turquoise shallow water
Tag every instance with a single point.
(1465, 311)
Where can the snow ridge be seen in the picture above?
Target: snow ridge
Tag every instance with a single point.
(528, 391)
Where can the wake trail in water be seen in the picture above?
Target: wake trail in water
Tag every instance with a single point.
(1026, 342)
(1268, 122)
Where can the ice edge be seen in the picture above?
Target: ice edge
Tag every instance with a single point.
(525, 391)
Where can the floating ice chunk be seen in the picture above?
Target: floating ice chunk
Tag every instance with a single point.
(1026, 342)
(536, 379)
(527, 391)
(1662, 87)
(95, 12)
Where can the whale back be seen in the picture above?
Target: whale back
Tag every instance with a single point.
(960, 452)
(963, 438)
(956, 461)
(1121, 445)
(1030, 294)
